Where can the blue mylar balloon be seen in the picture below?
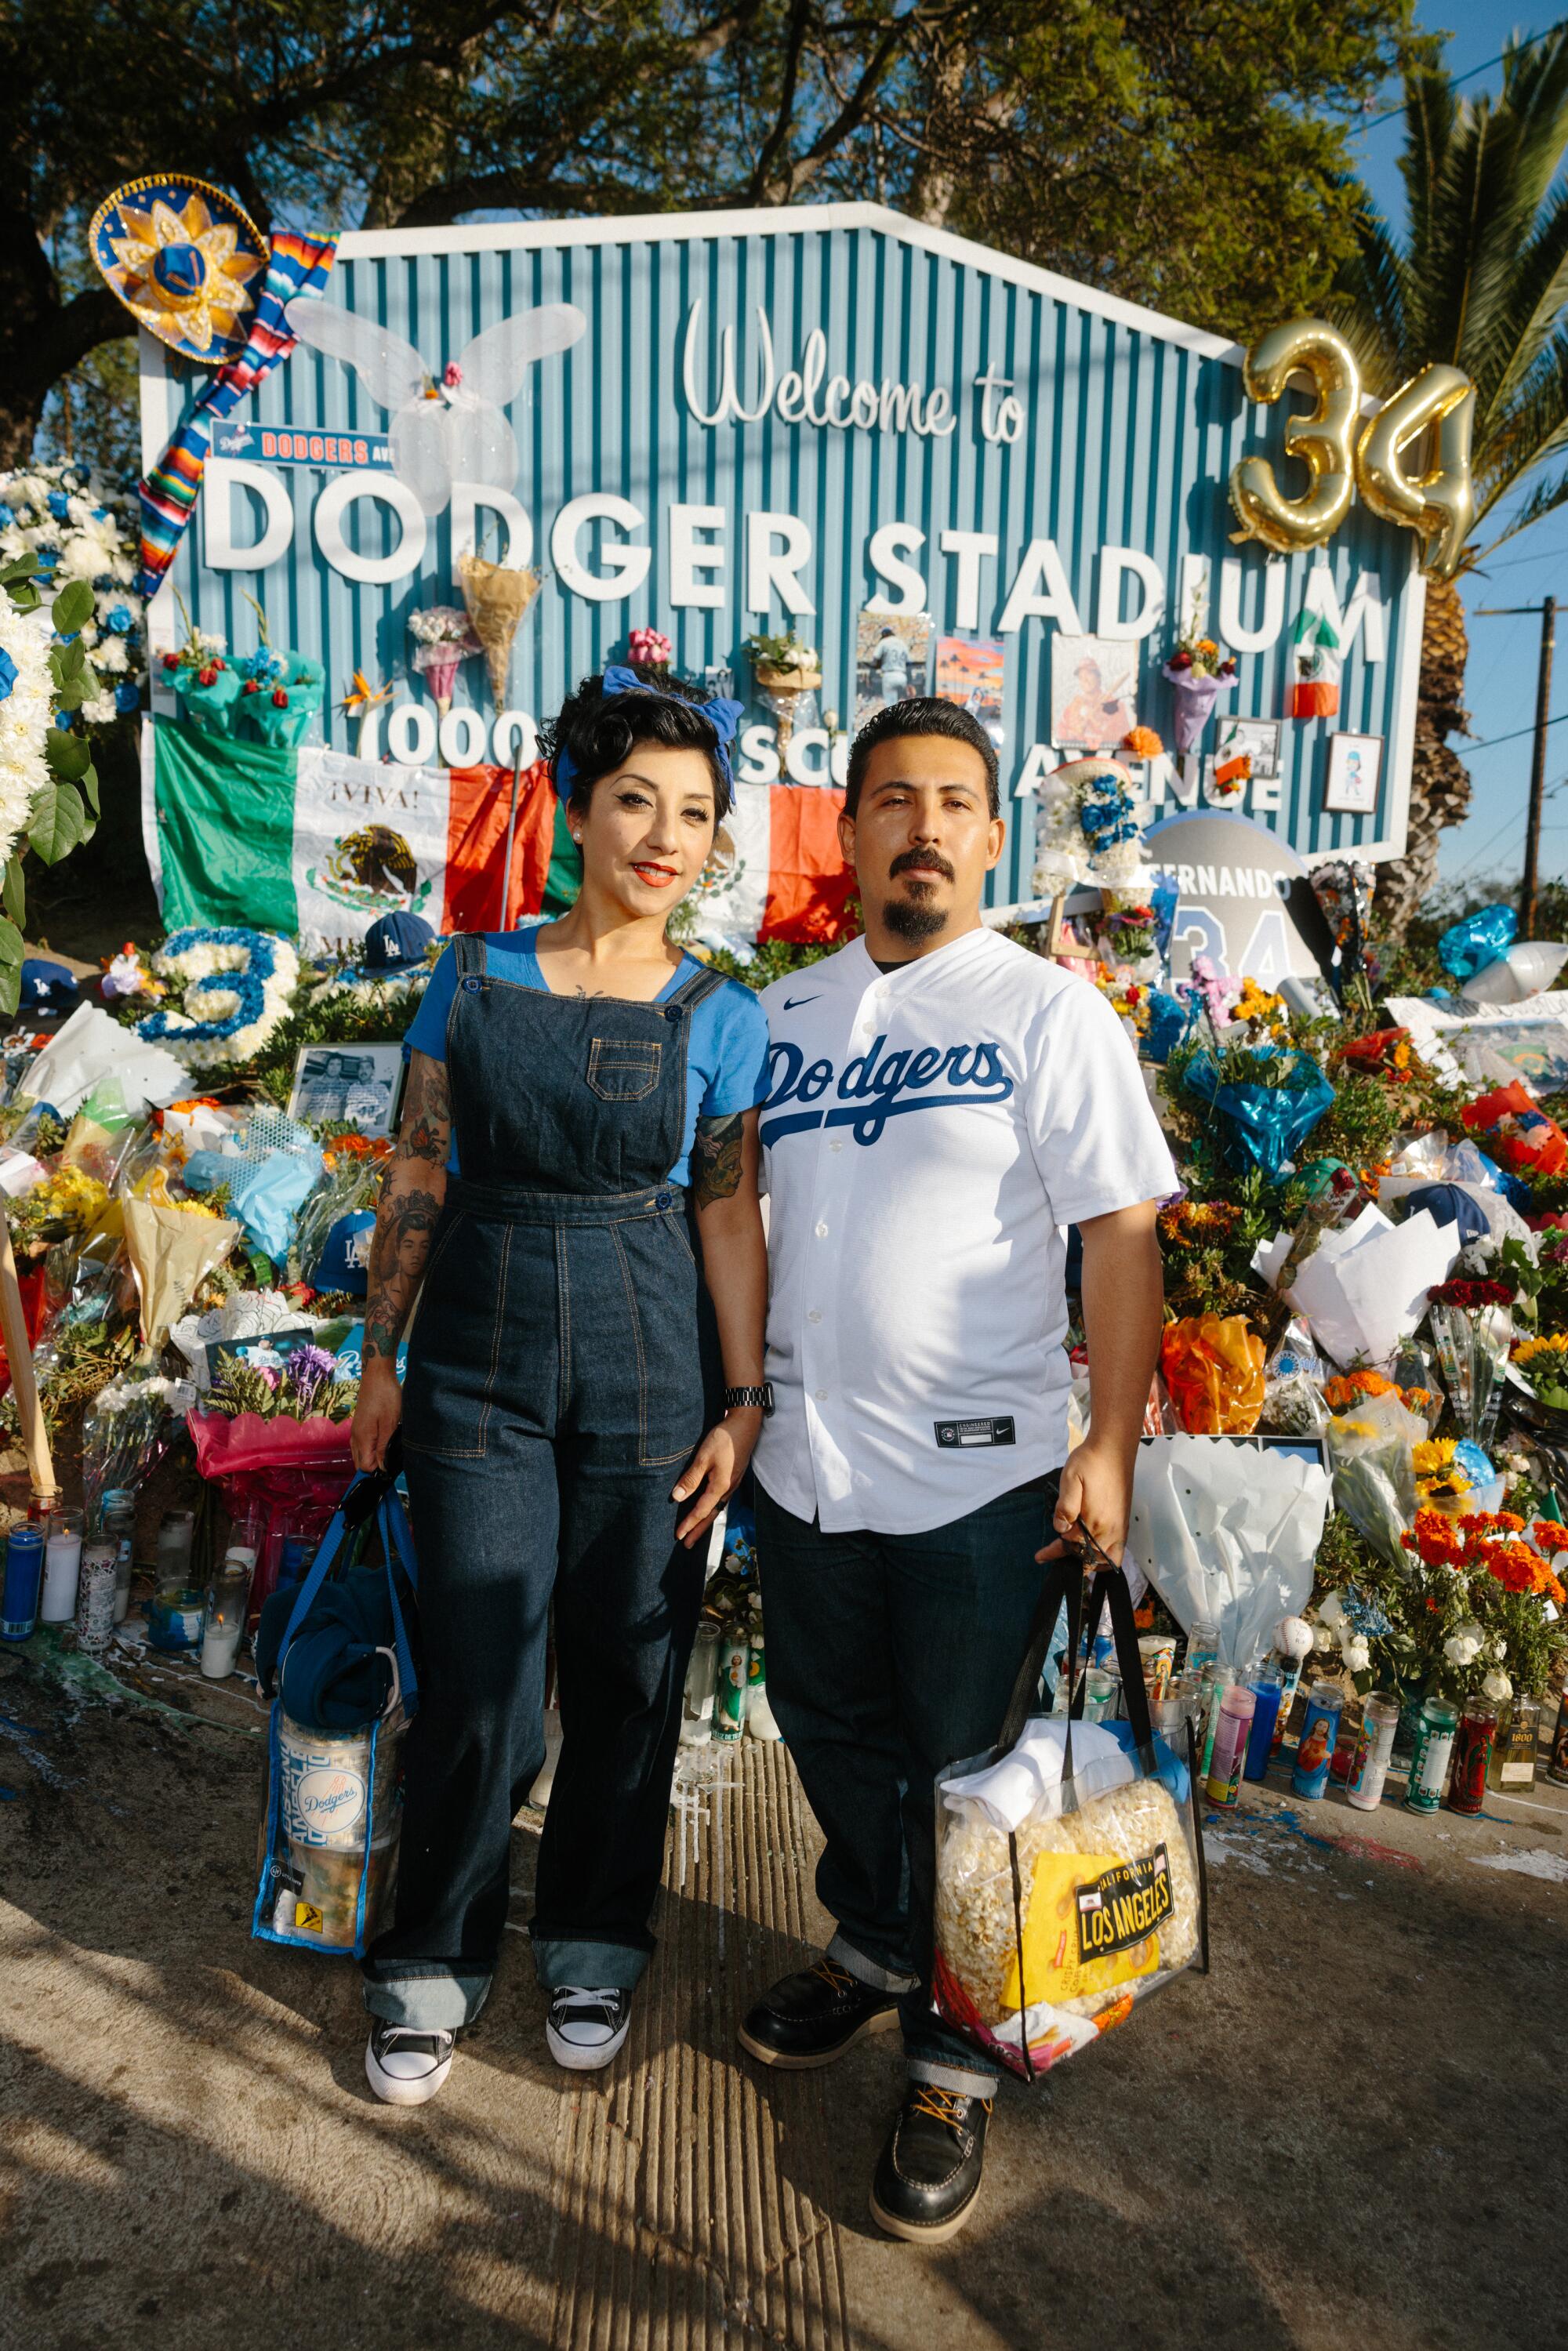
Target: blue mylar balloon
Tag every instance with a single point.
(1269, 1124)
(1467, 946)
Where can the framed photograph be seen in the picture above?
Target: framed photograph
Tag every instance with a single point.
(892, 651)
(970, 670)
(348, 1085)
(1254, 738)
(1356, 765)
(1093, 692)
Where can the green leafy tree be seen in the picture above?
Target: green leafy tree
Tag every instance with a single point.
(1190, 157)
(62, 805)
(1480, 280)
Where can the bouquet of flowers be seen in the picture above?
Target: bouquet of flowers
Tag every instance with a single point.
(1472, 1328)
(1475, 1619)
(1442, 1481)
(1091, 830)
(65, 1204)
(444, 636)
(297, 1384)
(650, 648)
(497, 596)
(1543, 1364)
(1213, 1368)
(1518, 1133)
(1130, 932)
(1271, 1097)
(130, 1425)
(1196, 672)
(71, 527)
(1374, 1461)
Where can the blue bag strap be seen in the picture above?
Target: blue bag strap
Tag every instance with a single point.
(363, 1498)
(396, 1539)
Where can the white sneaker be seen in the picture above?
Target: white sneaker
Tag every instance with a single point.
(404, 2066)
(585, 2029)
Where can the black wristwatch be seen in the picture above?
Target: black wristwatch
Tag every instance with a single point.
(750, 1399)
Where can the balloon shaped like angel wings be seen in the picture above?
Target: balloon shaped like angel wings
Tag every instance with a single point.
(450, 428)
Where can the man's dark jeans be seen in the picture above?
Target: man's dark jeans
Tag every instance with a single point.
(889, 1657)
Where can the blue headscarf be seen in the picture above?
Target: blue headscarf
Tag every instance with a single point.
(724, 716)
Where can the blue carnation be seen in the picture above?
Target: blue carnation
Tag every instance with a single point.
(118, 618)
(7, 675)
(247, 984)
(100, 514)
(47, 558)
(127, 698)
(8, 514)
(59, 505)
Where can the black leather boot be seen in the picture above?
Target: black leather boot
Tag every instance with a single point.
(928, 2181)
(813, 2017)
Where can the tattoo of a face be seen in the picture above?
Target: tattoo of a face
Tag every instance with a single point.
(398, 1256)
(715, 1158)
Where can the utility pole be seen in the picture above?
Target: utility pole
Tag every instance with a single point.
(1547, 608)
(1537, 770)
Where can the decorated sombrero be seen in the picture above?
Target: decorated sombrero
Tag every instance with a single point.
(181, 256)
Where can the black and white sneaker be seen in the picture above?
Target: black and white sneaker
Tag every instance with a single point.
(585, 2028)
(406, 2067)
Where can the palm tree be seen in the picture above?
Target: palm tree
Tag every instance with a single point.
(1480, 281)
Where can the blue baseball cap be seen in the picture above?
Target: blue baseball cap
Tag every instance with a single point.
(344, 1262)
(396, 942)
(48, 986)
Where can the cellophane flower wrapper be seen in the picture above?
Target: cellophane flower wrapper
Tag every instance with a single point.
(1078, 1854)
(1294, 1407)
(1473, 1346)
(1372, 1451)
(1267, 1125)
(1344, 889)
(1363, 1289)
(1213, 1370)
(1193, 695)
(1228, 1535)
(128, 1427)
(1518, 1132)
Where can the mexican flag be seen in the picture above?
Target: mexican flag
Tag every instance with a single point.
(317, 844)
(1318, 659)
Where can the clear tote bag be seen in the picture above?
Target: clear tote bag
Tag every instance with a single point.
(332, 1812)
(1070, 1870)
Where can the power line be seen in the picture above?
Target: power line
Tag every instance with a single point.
(1389, 112)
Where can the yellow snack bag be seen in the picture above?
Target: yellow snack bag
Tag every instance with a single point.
(1091, 1923)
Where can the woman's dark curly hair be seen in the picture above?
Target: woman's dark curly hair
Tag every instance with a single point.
(599, 732)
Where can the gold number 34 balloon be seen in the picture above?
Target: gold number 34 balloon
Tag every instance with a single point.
(1323, 439)
(1441, 503)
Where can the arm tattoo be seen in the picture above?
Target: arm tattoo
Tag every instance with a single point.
(426, 1126)
(715, 1158)
(398, 1253)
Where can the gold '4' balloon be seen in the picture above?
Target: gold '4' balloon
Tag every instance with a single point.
(1441, 503)
(1323, 439)
(1432, 413)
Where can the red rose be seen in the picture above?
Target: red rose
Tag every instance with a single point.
(279, 699)
(171, 660)
(1181, 661)
(252, 685)
(205, 676)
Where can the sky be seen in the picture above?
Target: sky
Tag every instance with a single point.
(1505, 653)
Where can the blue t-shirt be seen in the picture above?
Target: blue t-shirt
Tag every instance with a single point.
(726, 1036)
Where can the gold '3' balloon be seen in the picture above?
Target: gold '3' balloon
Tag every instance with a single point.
(1441, 503)
(1324, 439)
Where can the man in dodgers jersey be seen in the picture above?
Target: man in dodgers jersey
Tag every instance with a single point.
(941, 1103)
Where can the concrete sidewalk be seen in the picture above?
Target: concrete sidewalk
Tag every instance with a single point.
(1350, 2132)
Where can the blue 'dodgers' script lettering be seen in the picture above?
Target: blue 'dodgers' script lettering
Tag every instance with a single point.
(871, 1089)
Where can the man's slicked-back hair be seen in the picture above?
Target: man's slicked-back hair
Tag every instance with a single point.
(923, 714)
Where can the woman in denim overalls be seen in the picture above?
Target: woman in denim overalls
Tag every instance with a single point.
(562, 1082)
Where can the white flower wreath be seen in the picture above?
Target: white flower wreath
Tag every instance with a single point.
(212, 1022)
(26, 703)
(75, 527)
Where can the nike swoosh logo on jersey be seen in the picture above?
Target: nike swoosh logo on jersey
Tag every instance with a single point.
(791, 1002)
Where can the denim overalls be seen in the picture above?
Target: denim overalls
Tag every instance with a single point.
(553, 1396)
